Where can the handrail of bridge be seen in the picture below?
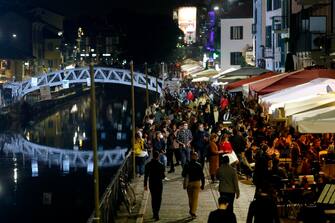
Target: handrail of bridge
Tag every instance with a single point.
(111, 198)
(82, 75)
(17, 144)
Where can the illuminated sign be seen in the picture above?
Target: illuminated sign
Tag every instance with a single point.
(187, 21)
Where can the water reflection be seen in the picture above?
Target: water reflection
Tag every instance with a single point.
(46, 170)
(65, 159)
(69, 128)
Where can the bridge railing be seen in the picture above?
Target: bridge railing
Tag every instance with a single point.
(82, 75)
(112, 196)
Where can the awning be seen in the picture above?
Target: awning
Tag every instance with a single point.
(238, 84)
(309, 104)
(311, 113)
(287, 80)
(222, 73)
(246, 72)
(317, 126)
(321, 123)
(319, 86)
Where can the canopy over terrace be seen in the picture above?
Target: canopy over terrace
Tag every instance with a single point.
(309, 114)
(319, 86)
(246, 72)
(204, 75)
(287, 80)
(320, 101)
(191, 66)
(314, 87)
(237, 86)
(321, 123)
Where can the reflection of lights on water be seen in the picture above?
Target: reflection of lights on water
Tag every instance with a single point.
(90, 167)
(15, 175)
(119, 127)
(119, 136)
(75, 148)
(84, 135)
(124, 136)
(80, 143)
(124, 106)
(66, 165)
(78, 129)
(14, 160)
(74, 109)
(34, 168)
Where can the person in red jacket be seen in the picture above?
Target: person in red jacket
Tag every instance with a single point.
(224, 103)
(225, 145)
(190, 96)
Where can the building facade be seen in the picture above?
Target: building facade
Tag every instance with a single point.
(236, 41)
(303, 29)
(270, 33)
(30, 43)
(311, 33)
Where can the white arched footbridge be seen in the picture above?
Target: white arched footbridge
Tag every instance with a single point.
(82, 75)
(16, 144)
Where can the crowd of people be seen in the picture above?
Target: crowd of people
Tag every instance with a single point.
(233, 134)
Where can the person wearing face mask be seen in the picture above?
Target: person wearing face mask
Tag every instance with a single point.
(158, 143)
(184, 138)
(208, 117)
(200, 143)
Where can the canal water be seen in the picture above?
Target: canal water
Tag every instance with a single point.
(46, 168)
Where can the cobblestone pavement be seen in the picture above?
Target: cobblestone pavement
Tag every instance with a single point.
(175, 209)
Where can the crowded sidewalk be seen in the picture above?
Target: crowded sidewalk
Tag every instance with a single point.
(218, 138)
(174, 206)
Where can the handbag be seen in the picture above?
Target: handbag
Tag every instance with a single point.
(232, 157)
(185, 182)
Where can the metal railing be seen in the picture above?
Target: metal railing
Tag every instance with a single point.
(112, 198)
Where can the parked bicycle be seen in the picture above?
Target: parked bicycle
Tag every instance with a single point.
(128, 193)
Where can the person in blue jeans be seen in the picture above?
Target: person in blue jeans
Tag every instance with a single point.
(184, 138)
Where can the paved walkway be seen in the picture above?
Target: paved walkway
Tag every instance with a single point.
(175, 209)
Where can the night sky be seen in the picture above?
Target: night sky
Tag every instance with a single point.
(96, 7)
(146, 27)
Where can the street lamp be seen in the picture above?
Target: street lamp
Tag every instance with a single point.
(216, 8)
(14, 35)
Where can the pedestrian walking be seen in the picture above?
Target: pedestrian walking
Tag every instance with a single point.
(172, 148)
(196, 181)
(140, 154)
(184, 138)
(213, 156)
(228, 182)
(222, 215)
(200, 143)
(155, 171)
(263, 208)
